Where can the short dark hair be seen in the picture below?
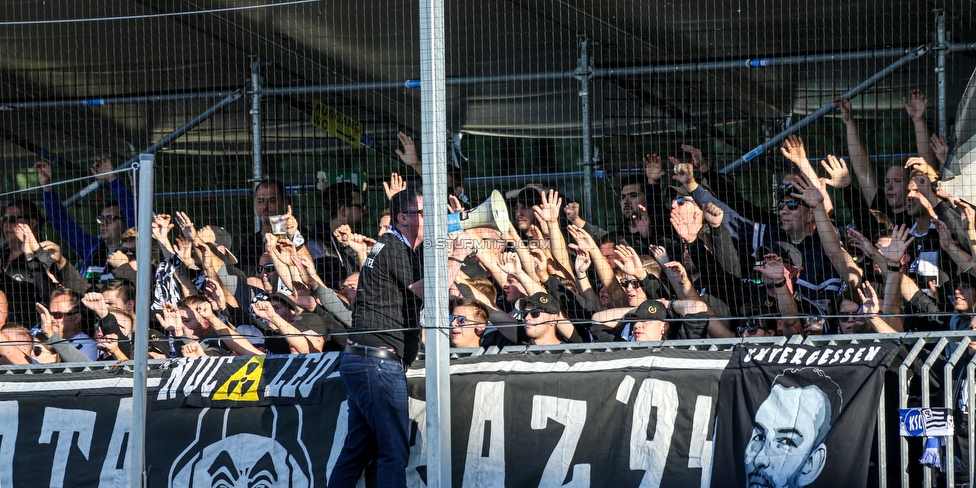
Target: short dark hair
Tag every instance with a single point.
(126, 289)
(638, 180)
(272, 183)
(28, 209)
(337, 195)
(66, 292)
(815, 377)
(400, 203)
(470, 302)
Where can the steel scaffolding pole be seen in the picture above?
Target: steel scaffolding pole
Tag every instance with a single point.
(433, 115)
(584, 73)
(257, 167)
(824, 110)
(941, 51)
(137, 471)
(176, 134)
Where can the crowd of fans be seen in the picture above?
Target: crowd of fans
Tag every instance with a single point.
(694, 259)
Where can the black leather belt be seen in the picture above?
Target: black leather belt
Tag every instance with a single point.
(372, 352)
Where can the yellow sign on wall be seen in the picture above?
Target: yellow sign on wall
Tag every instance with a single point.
(336, 123)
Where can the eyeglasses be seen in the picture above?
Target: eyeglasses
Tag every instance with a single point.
(636, 284)
(632, 194)
(751, 328)
(61, 315)
(106, 219)
(787, 187)
(128, 251)
(268, 268)
(679, 201)
(462, 320)
(534, 313)
(13, 219)
(419, 212)
(792, 204)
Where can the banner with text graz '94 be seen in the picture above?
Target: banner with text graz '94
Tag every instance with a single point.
(797, 415)
(624, 418)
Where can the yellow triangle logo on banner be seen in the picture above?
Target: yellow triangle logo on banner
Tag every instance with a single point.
(243, 384)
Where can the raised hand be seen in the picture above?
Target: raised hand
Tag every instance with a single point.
(186, 226)
(773, 268)
(870, 304)
(161, 225)
(409, 154)
(43, 173)
(170, 319)
(793, 150)
(214, 293)
(939, 146)
(263, 309)
(900, 239)
(916, 105)
(103, 169)
(846, 113)
(696, 156)
(548, 210)
(509, 263)
(629, 261)
(582, 263)
(713, 215)
(659, 253)
(96, 303)
(684, 173)
(572, 212)
(643, 222)
(677, 270)
(584, 242)
(396, 184)
(47, 322)
(840, 175)
(653, 168)
(687, 220)
(808, 191)
(30, 241)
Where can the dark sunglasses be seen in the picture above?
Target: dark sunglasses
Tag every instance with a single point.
(792, 204)
(534, 313)
(679, 201)
(748, 327)
(13, 219)
(462, 320)
(61, 315)
(267, 268)
(632, 283)
(632, 194)
(38, 350)
(107, 219)
(128, 251)
(419, 212)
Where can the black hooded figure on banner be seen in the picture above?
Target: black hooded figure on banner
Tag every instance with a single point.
(787, 445)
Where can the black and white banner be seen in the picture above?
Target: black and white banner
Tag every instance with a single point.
(799, 415)
(626, 418)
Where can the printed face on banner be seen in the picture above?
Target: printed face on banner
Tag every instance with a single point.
(786, 448)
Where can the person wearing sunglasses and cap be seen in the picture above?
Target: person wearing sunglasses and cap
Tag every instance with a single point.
(543, 322)
(114, 218)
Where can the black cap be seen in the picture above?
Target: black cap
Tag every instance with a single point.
(542, 301)
(649, 310)
(529, 197)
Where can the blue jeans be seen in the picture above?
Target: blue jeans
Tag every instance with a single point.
(379, 425)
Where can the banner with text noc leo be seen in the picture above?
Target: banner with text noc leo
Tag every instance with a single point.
(625, 418)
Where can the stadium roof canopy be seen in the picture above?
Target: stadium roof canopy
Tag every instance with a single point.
(88, 50)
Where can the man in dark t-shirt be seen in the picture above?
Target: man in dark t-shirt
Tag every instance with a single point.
(385, 336)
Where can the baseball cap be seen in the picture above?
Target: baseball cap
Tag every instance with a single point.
(540, 300)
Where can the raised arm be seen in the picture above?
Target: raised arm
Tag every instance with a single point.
(858, 152)
(916, 106)
(841, 261)
(548, 212)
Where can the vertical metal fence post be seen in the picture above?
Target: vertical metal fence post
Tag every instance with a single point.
(903, 403)
(433, 115)
(927, 392)
(948, 389)
(882, 439)
(257, 164)
(144, 272)
(584, 73)
(941, 51)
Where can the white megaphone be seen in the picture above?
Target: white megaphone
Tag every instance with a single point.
(492, 213)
